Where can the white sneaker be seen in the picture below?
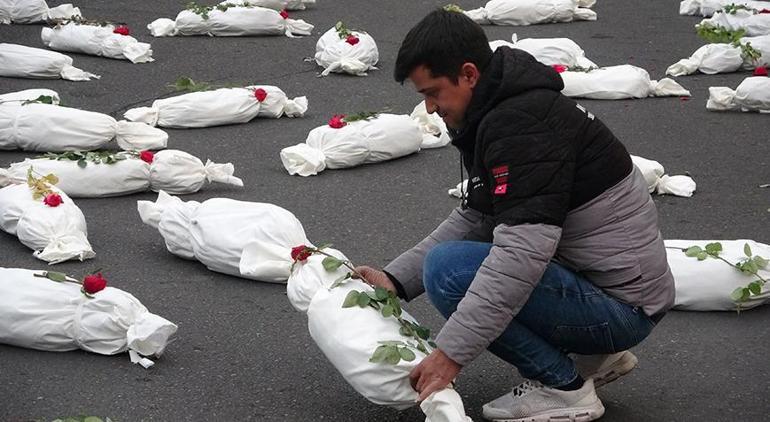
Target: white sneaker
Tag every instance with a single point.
(534, 402)
(604, 369)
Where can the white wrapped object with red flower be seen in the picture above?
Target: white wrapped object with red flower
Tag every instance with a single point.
(26, 95)
(111, 41)
(349, 337)
(723, 58)
(710, 7)
(550, 51)
(222, 106)
(753, 94)
(233, 21)
(53, 128)
(223, 233)
(616, 82)
(90, 175)
(32, 11)
(341, 50)
(40, 313)
(434, 130)
(342, 144)
(661, 183)
(18, 61)
(531, 12)
(754, 22)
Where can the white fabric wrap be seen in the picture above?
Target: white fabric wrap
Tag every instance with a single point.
(754, 24)
(349, 336)
(31, 11)
(178, 172)
(722, 58)
(234, 22)
(659, 182)
(434, 130)
(709, 7)
(29, 95)
(334, 54)
(618, 82)
(56, 234)
(18, 61)
(549, 51)
(277, 5)
(97, 41)
(753, 94)
(51, 128)
(530, 12)
(706, 285)
(382, 138)
(42, 314)
(218, 107)
(244, 239)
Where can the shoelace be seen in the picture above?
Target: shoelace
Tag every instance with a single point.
(526, 387)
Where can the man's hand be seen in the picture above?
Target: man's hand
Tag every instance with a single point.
(434, 373)
(375, 277)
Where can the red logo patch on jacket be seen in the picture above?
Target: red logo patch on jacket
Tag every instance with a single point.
(500, 174)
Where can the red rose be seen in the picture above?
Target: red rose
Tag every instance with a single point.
(337, 121)
(52, 200)
(261, 94)
(94, 283)
(760, 71)
(559, 68)
(352, 39)
(764, 11)
(284, 14)
(122, 30)
(300, 253)
(147, 156)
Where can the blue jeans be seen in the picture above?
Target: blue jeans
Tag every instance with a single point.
(565, 313)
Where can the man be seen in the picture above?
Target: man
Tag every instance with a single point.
(556, 248)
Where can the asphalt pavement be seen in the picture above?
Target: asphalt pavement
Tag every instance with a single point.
(243, 353)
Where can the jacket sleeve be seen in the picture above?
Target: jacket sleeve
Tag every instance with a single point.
(531, 172)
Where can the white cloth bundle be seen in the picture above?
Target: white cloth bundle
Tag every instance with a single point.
(52, 128)
(618, 82)
(661, 183)
(56, 234)
(434, 130)
(222, 234)
(722, 58)
(709, 7)
(706, 285)
(31, 11)
(20, 97)
(274, 4)
(754, 24)
(18, 61)
(384, 137)
(349, 336)
(97, 41)
(550, 51)
(753, 94)
(530, 12)
(236, 21)
(222, 106)
(43, 314)
(171, 170)
(335, 54)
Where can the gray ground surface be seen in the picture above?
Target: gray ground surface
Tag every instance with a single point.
(242, 352)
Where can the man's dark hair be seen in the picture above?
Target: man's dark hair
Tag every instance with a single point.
(442, 42)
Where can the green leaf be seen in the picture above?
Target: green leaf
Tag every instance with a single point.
(92, 419)
(740, 294)
(363, 300)
(760, 262)
(421, 347)
(714, 248)
(755, 287)
(406, 354)
(331, 263)
(702, 255)
(351, 299)
(422, 332)
(58, 277)
(340, 280)
(82, 163)
(432, 344)
(693, 251)
(747, 250)
(387, 311)
(405, 331)
(381, 293)
(379, 354)
(392, 356)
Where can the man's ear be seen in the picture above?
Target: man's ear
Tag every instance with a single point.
(470, 73)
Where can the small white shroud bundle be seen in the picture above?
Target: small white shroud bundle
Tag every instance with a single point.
(18, 61)
(53, 128)
(754, 24)
(171, 170)
(706, 285)
(223, 234)
(722, 58)
(618, 82)
(709, 7)
(96, 40)
(550, 51)
(753, 94)
(43, 314)
(56, 234)
(530, 12)
(434, 130)
(336, 54)
(661, 183)
(31, 11)
(349, 336)
(20, 97)
(222, 106)
(235, 21)
(384, 137)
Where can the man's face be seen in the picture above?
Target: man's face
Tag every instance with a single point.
(444, 96)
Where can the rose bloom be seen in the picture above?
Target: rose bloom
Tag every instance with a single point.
(284, 14)
(300, 253)
(760, 71)
(122, 30)
(94, 283)
(147, 156)
(352, 39)
(52, 200)
(337, 121)
(559, 68)
(261, 94)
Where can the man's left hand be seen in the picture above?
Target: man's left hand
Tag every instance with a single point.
(434, 373)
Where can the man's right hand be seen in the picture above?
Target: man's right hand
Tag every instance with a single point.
(375, 277)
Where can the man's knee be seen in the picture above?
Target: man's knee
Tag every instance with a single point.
(438, 266)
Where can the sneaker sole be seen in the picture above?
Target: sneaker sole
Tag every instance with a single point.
(621, 367)
(579, 414)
